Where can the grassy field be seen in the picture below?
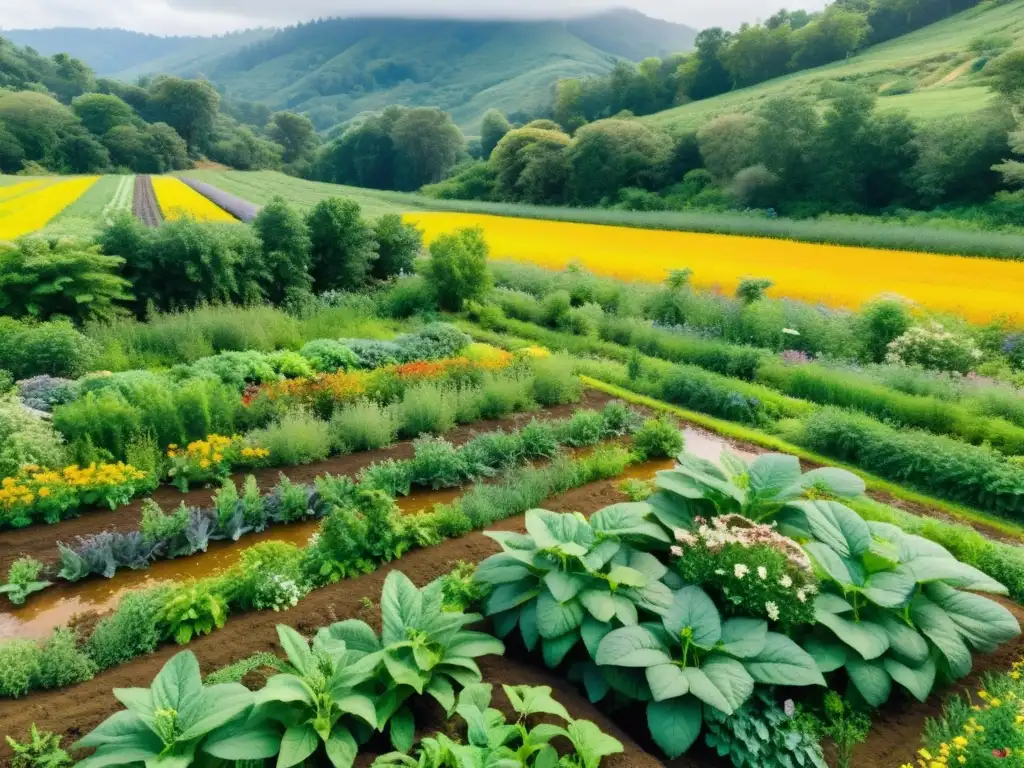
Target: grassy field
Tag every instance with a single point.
(934, 58)
(85, 216)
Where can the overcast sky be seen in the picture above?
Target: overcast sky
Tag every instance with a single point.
(216, 16)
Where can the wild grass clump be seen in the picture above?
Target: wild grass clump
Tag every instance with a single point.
(427, 408)
(555, 382)
(364, 426)
(298, 437)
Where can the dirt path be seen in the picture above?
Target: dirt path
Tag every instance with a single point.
(144, 203)
(954, 75)
(40, 541)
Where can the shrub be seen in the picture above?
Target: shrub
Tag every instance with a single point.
(233, 368)
(457, 271)
(409, 296)
(555, 309)
(44, 392)
(500, 396)
(158, 527)
(761, 734)
(296, 438)
(129, 632)
(289, 364)
(19, 666)
(23, 580)
(329, 356)
(42, 750)
(539, 440)
(751, 289)
(432, 342)
(271, 576)
(343, 249)
(26, 439)
(53, 348)
(62, 662)
(373, 354)
(881, 322)
(363, 426)
(191, 610)
(437, 464)
(585, 428)
(658, 439)
(555, 382)
(934, 347)
(392, 477)
(398, 245)
(427, 407)
(493, 451)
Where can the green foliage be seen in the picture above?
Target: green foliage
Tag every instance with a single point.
(25, 439)
(296, 438)
(41, 279)
(554, 381)
(329, 355)
(170, 718)
(271, 577)
(363, 426)
(761, 734)
(129, 632)
(190, 610)
(285, 240)
(658, 439)
(398, 245)
(42, 750)
(935, 348)
(459, 590)
(491, 739)
(235, 673)
(19, 666)
(845, 726)
(23, 580)
(53, 348)
(457, 271)
(62, 662)
(881, 322)
(751, 289)
(343, 249)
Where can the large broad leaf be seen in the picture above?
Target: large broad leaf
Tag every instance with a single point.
(296, 649)
(771, 473)
(655, 597)
(632, 647)
(835, 525)
(534, 700)
(704, 689)
(593, 632)
(693, 610)
(591, 743)
(871, 680)
(564, 586)
(953, 572)
(602, 554)
(832, 603)
(215, 706)
(501, 568)
(122, 730)
(565, 532)
(473, 644)
(672, 511)
(649, 565)
(730, 678)
(890, 589)
(983, 623)
(554, 649)
(177, 683)
(935, 624)
(865, 637)
(783, 662)
(844, 570)
(555, 618)
(595, 682)
(341, 746)
(401, 605)
(675, 724)
(403, 729)
(599, 603)
(692, 484)
(505, 597)
(358, 637)
(299, 742)
(828, 656)
(918, 680)
(667, 681)
(629, 519)
(743, 637)
(694, 463)
(904, 641)
(840, 482)
(528, 625)
(253, 738)
(622, 576)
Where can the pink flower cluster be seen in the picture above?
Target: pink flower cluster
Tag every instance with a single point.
(736, 529)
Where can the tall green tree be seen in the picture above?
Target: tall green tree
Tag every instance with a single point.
(342, 245)
(296, 134)
(710, 77)
(427, 145)
(398, 245)
(286, 249)
(188, 106)
(526, 148)
(608, 155)
(100, 112)
(458, 270)
(493, 128)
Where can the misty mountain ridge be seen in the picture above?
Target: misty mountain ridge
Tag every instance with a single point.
(334, 69)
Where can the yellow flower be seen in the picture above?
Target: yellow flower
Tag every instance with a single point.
(204, 463)
(44, 492)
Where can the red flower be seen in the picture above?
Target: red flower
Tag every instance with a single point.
(1000, 753)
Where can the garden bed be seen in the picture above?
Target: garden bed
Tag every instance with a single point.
(40, 541)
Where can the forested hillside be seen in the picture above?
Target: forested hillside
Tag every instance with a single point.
(335, 69)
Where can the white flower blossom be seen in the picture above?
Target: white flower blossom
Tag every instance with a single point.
(786, 581)
(801, 596)
(676, 551)
(789, 707)
(773, 610)
(762, 572)
(740, 570)
(719, 572)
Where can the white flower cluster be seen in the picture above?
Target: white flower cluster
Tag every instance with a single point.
(277, 593)
(934, 347)
(736, 529)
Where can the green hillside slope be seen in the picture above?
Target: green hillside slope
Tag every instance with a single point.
(941, 67)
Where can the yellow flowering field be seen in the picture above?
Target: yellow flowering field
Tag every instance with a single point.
(27, 211)
(838, 276)
(178, 200)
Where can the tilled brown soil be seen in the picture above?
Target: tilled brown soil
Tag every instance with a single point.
(144, 203)
(40, 541)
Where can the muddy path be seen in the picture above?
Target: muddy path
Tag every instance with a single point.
(40, 541)
(144, 203)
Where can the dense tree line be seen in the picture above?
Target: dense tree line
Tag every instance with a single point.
(55, 115)
(786, 42)
(789, 154)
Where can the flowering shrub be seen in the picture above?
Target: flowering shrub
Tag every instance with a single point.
(795, 357)
(754, 569)
(934, 347)
(36, 494)
(211, 460)
(981, 731)
(277, 593)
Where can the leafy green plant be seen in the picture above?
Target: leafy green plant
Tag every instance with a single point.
(191, 610)
(459, 590)
(493, 741)
(761, 734)
(569, 576)
(23, 580)
(636, 490)
(844, 725)
(694, 660)
(658, 439)
(42, 750)
(164, 724)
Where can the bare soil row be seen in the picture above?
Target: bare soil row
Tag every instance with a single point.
(144, 203)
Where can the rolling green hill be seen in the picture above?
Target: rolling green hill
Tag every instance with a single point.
(334, 69)
(940, 68)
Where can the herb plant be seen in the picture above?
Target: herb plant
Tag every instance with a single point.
(23, 580)
(42, 750)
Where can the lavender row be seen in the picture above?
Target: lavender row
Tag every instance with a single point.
(236, 206)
